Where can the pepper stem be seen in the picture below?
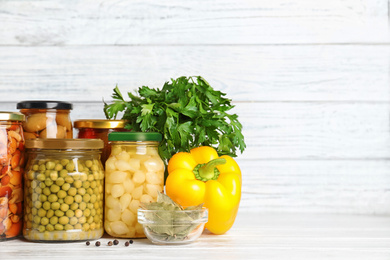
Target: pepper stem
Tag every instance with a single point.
(208, 171)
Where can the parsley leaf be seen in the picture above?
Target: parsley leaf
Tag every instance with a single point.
(188, 113)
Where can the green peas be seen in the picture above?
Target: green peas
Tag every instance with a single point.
(41, 177)
(63, 220)
(58, 227)
(49, 227)
(87, 197)
(38, 204)
(78, 198)
(41, 228)
(50, 165)
(44, 221)
(46, 205)
(37, 219)
(42, 167)
(52, 198)
(77, 184)
(59, 213)
(87, 212)
(63, 173)
(48, 182)
(69, 179)
(53, 175)
(69, 200)
(46, 191)
(70, 213)
(73, 221)
(93, 198)
(72, 191)
(60, 181)
(82, 220)
(64, 207)
(31, 175)
(35, 167)
(84, 177)
(81, 191)
(68, 227)
(70, 167)
(49, 213)
(54, 188)
(65, 186)
(55, 205)
(41, 212)
(64, 162)
(74, 206)
(61, 194)
(58, 167)
(82, 205)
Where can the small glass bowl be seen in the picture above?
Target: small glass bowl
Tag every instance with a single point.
(172, 227)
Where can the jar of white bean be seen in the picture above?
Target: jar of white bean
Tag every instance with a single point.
(134, 174)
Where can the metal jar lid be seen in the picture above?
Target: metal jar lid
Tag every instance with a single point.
(44, 104)
(61, 144)
(11, 116)
(134, 136)
(99, 123)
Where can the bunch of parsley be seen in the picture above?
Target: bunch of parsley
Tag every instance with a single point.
(188, 113)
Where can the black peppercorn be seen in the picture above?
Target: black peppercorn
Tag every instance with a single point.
(87, 243)
(116, 242)
(97, 243)
(131, 241)
(127, 243)
(110, 243)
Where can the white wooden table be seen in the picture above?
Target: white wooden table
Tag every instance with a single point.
(254, 236)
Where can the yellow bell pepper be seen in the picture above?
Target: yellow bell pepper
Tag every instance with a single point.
(201, 176)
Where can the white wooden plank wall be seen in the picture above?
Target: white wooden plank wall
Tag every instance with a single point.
(310, 81)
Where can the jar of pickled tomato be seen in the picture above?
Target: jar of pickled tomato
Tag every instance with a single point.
(134, 174)
(99, 128)
(11, 170)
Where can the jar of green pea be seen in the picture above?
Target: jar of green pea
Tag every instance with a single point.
(63, 190)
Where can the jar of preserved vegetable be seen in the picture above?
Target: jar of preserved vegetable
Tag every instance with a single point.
(11, 170)
(63, 190)
(99, 128)
(134, 174)
(46, 119)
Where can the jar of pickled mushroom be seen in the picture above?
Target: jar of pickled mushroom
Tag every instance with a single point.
(99, 128)
(63, 190)
(46, 119)
(134, 175)
(11, 170)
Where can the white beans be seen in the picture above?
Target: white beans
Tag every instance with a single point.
(134, 175)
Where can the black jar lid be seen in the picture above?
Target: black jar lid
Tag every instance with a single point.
(43, 104)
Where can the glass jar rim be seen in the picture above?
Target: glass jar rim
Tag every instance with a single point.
(99, 123)
(62, 144)
(12, 116)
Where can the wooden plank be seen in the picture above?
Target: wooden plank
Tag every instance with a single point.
(245, 73)
(253, 236)
(107, 22)
(284, 130)
(321, 186)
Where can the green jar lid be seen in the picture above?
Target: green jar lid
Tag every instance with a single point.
(134, 136)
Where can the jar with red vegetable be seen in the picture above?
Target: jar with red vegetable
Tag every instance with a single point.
(99, 128)
(11, 171)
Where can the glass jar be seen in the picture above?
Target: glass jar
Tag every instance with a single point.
(46, 119)
(63, 190)
(11, 170)
(99, 128)
(134, 174)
